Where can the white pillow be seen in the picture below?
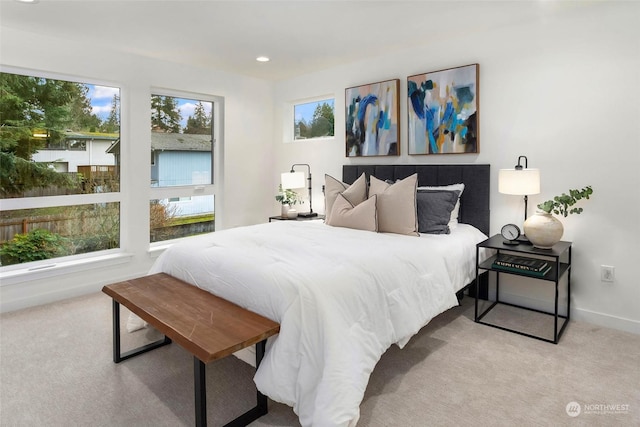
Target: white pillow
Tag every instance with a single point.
(397, 209)
(361, 217)
(355, 193)
(455, 213)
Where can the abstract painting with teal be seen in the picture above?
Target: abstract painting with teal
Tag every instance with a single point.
(372, 119)
(443, 111)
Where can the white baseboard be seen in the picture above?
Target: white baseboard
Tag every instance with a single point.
(18, 302)
(577, 314)
(606, 320)
(28, 294)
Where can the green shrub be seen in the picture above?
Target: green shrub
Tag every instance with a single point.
(35, 245)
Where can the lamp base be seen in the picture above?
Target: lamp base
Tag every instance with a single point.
(307, 214)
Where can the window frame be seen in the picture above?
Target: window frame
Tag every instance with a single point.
(217, 164)
(290, 119)
(129, 104)
(16, 273)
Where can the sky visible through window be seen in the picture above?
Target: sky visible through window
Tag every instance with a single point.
(305, 111)
(102, 98)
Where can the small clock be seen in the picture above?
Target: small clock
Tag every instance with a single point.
(510, 232)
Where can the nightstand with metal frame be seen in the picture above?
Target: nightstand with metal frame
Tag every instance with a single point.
(559, 256)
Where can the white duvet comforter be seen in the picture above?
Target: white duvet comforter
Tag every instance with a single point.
(341, 296)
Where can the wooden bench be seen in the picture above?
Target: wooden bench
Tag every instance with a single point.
(207, 326)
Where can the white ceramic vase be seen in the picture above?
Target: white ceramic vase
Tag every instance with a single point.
(285, 210)
(543, 230)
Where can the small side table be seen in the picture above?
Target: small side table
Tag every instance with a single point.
(559, 256)
(298, 218)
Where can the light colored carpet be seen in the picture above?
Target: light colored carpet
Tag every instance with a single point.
(56, 369)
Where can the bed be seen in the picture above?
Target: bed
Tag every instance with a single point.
(342, 295)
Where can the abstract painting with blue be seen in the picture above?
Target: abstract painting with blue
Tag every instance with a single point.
(443, 111)
(372, 113)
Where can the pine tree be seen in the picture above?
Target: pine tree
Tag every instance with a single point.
(112, 124)
(82, 117)
(200, 122)
(165, 116)
(322, 123)
(29, 108)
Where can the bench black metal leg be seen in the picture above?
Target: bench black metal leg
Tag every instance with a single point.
(117, 356)
(262, 399)
(261, 407)
(200, 388)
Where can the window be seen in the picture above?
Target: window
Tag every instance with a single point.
(314, 119)
(182, 166)
(66, 144)
(59, 181)
(77, 145)
(52, 232)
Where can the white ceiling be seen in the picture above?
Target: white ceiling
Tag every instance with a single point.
(299, 36)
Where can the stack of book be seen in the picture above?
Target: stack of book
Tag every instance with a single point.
(532, 266)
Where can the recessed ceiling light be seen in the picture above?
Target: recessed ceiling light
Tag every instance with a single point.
(262, 59)
(28, 1)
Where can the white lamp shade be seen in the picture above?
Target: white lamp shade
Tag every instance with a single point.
(292, 180)
(520, 182)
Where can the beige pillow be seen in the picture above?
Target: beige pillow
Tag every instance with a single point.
(360, 217)
(355, 193)
(396, 205)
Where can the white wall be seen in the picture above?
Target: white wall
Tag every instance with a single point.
(563, 91)
(248, 129)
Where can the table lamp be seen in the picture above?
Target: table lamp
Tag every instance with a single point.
(293, 179)
(520, 181)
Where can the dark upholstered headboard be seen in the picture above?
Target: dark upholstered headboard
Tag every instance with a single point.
(474, 203)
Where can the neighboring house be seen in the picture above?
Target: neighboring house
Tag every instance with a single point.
(78, 149)
(182, 159)
(176, 159)
(179, 159)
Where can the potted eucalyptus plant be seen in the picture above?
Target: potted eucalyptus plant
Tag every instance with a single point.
(543, 229)
(287, 198)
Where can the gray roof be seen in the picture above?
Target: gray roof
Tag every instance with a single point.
(91, 135)
(180, 142)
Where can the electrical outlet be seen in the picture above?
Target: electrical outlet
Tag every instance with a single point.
(607, 273)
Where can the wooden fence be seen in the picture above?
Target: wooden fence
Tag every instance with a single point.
(89, 179)
(11, 227)
(61, 224)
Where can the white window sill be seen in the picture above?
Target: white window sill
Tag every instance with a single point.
(155, 251)
(308, 140)
(158, 247)
(57, 268)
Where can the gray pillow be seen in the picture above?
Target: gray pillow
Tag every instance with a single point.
(434, 210)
